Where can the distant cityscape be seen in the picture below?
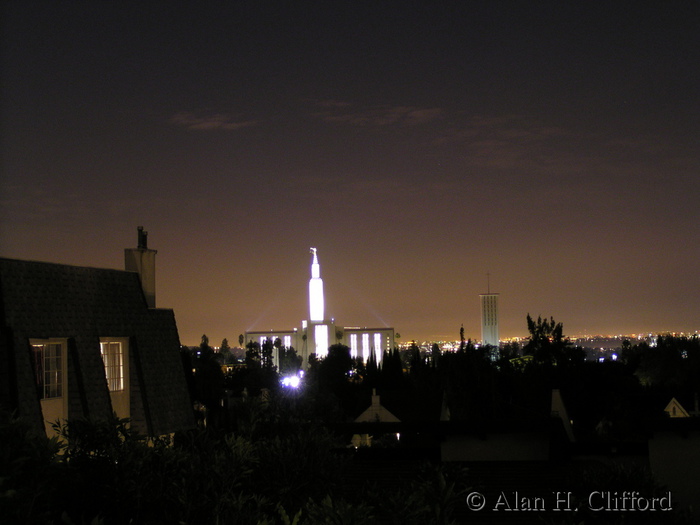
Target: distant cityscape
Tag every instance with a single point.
(596, 346)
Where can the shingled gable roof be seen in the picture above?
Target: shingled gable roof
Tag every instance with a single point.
(41, 300)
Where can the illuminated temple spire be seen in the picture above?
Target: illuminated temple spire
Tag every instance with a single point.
(316, 308)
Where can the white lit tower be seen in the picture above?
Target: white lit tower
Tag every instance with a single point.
(316, 305)
(318, 328)
(489, 318)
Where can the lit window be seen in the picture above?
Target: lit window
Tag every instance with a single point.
(353, 345)
(48, 367)
(378, 347)
(365, 347)
(321, 335)
(113, 357)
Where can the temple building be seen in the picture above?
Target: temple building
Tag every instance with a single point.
(319, 332)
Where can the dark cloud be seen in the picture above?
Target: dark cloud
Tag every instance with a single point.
(381, 115)
(216, 121)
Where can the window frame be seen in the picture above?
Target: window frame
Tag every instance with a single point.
(47, 389)
(121, 398)
(55, 407)
(115, 382)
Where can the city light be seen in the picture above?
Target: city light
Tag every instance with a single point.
(291, 381)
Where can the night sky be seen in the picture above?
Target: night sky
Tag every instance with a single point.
(418, 145)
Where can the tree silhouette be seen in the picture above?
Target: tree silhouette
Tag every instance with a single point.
(266, 354)
(208, 379)
(289, 361)
(225, 352)
(417, 361)
(671, 361)
(435, 353)
(252, 355)
(547, 344)
(336, 366)
(391, 373)
(371, 370)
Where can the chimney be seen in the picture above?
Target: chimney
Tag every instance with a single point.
(143, 239)
(143, 261)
